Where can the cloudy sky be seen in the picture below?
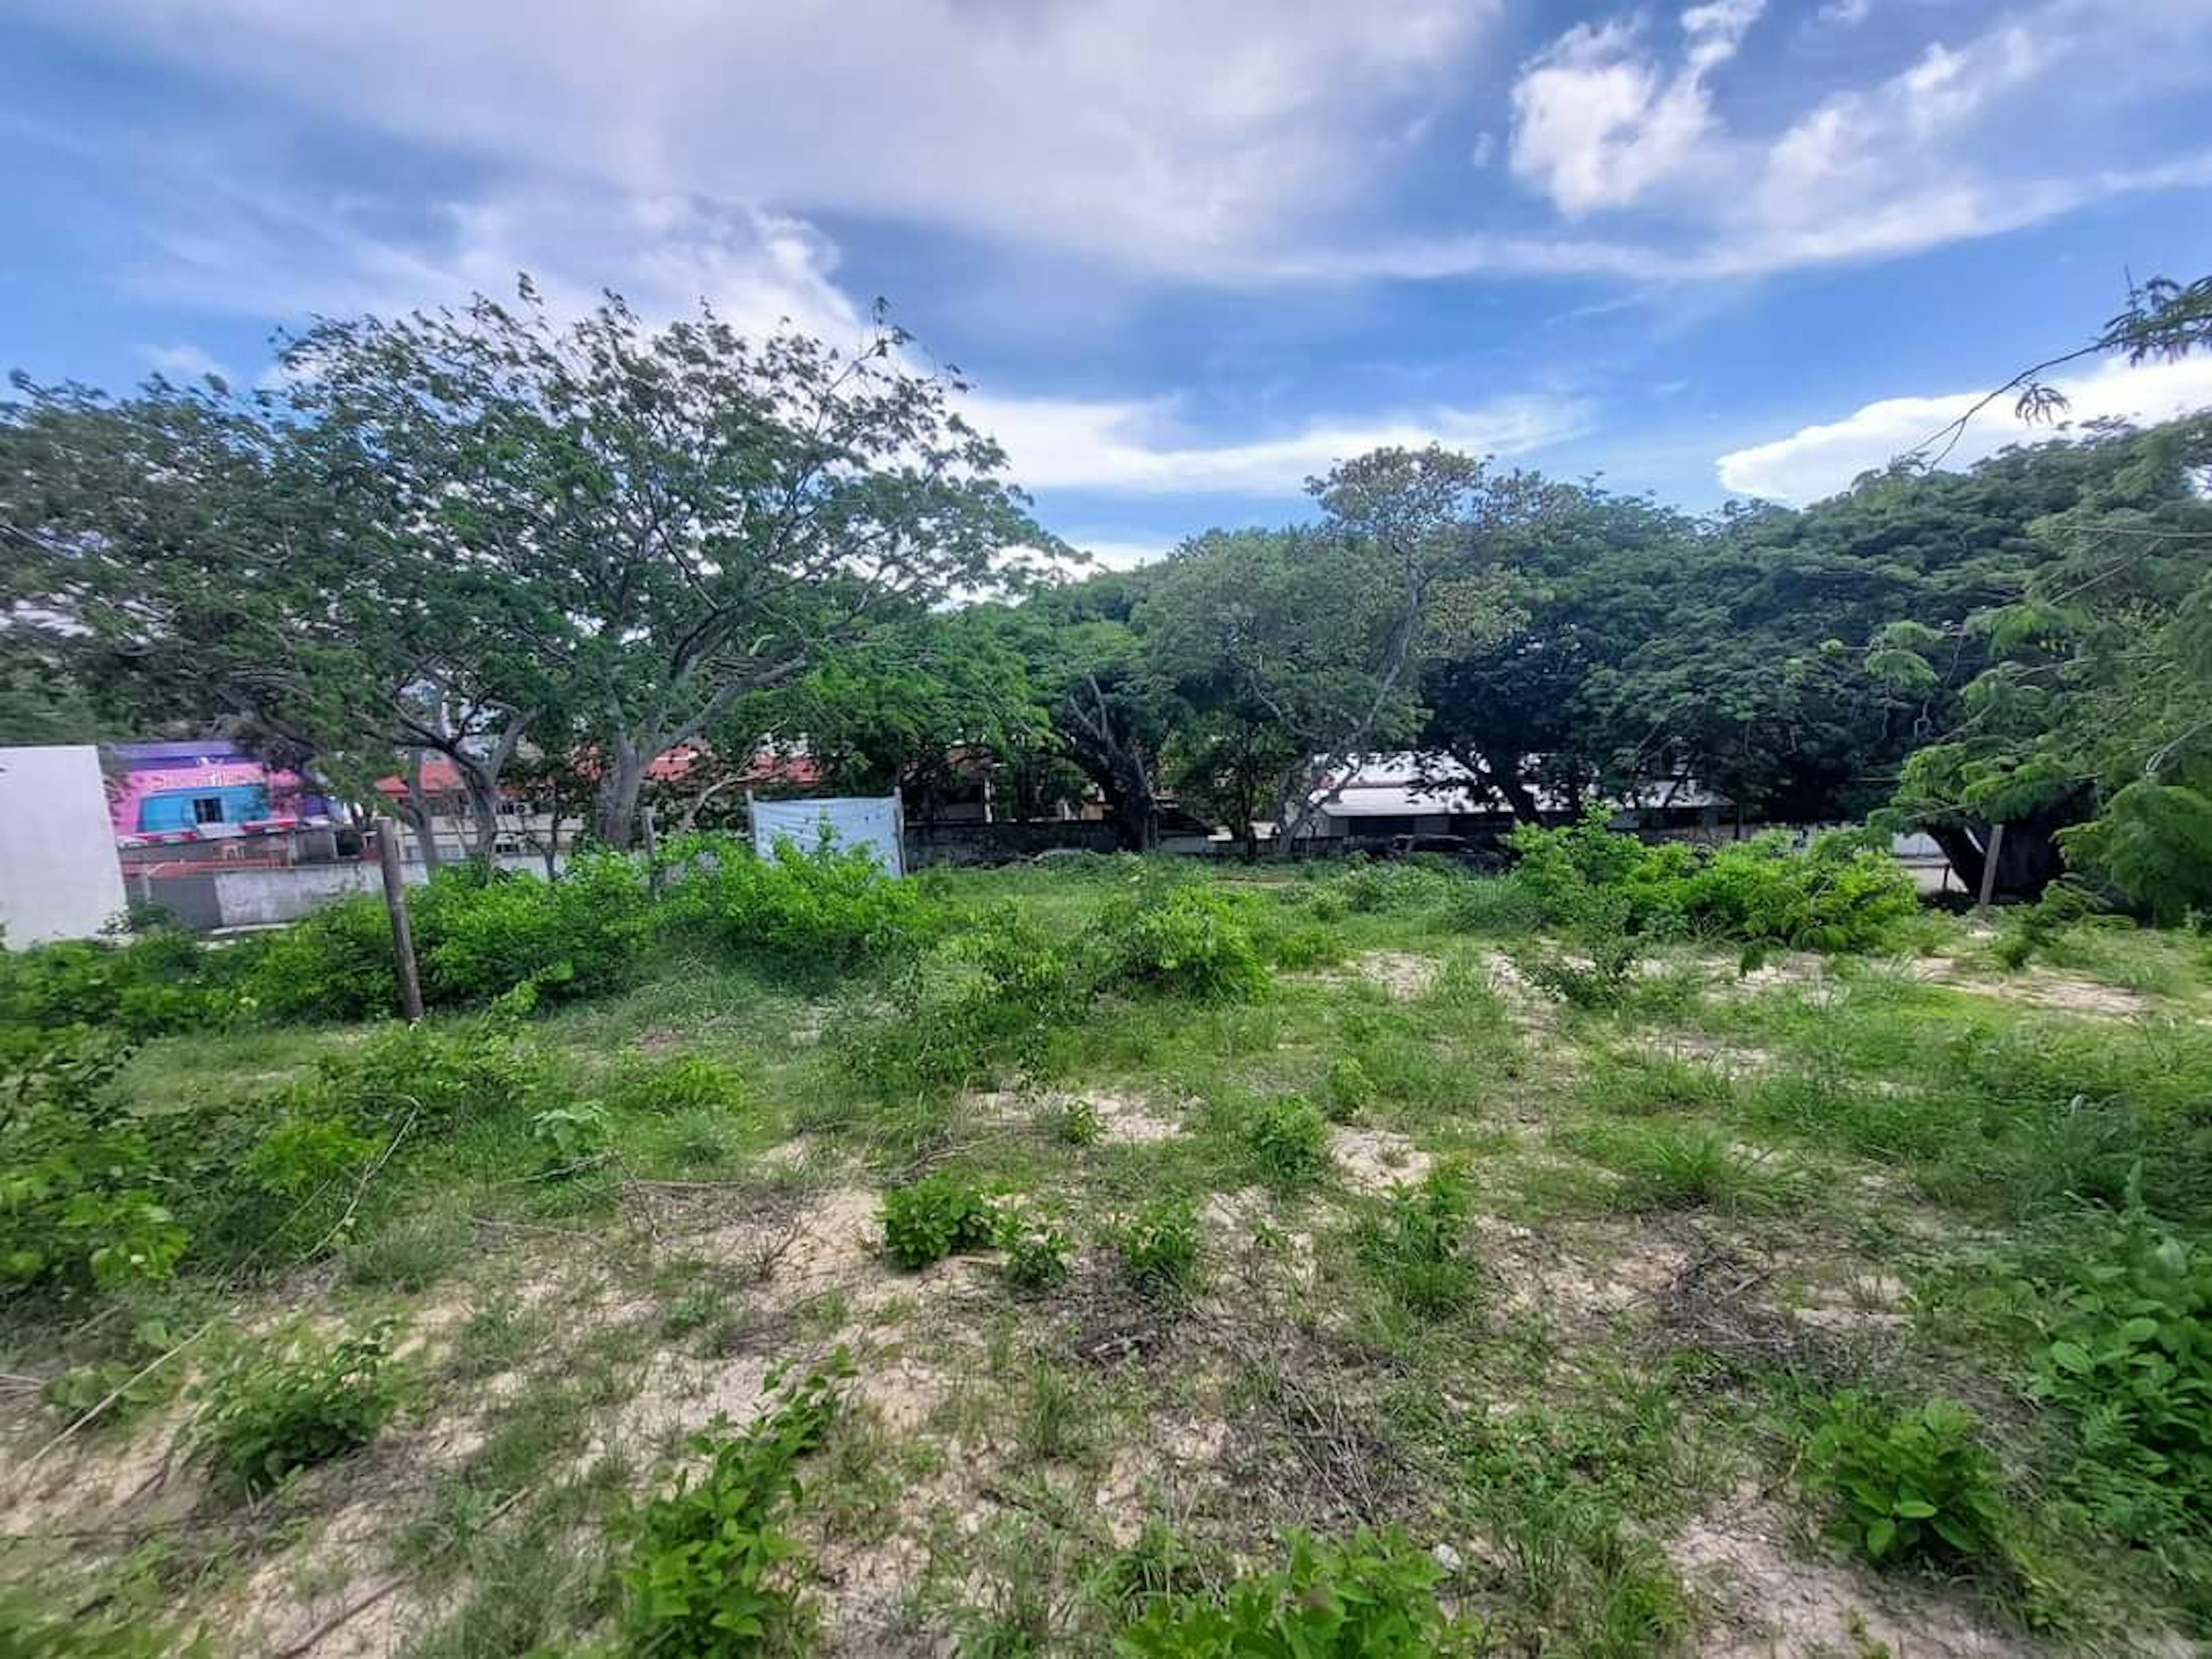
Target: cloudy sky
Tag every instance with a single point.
(1188, 250)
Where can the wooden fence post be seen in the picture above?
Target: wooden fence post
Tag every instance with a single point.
(403, 933)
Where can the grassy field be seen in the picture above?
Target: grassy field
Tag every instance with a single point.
(1605, 1322)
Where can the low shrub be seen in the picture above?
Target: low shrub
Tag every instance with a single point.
(940, 1215)
(1073, 1120)
(441, 1074)
(1037, 1252)
(479, 935)
(1191, 940)
(994, 998)
(2122, 1341)
(1350, 1090)
(84, 1201)
(818, 912)
(1665, 1168)
(333, 965)
(677, 1083)
(1158, 1248)
(162, 981)
(710, 1572)
(571, 1137)
(293, 1403)
(1287, 1140)
(1909, 1486)
(1394, 886)
(1374, 1595)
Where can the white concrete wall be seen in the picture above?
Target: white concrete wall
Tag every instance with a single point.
(852, 822)
(59, 877)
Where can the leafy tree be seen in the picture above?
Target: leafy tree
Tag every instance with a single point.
(673, 517)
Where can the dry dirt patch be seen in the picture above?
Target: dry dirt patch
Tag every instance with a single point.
(1774, 1603)
(1374, 1160)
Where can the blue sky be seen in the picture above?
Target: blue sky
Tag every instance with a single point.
(1187, 252)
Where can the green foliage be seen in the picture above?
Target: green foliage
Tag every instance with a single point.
(814, 913)
(2033, 930)
(572, 1136)
(478, 936)
(1349, 1090)
(1665, 1168)
(995, 996)
(673, 1084)
(1909, 1486)
(1288, 1141)
(710, 1568)
(291, 1403)
(1192, 941)
(1840, 894)
(1411, 1243)
(443, 1074)
(2123, 1337)
(2153, 842)
(1074, 1120)
(938, 1216)
(333, 965)
(1373, 1597)
(1037, 1251)
(162, 981)
(1158, 1248)
(34, 1627)
(1394, 886)
(82, 1199)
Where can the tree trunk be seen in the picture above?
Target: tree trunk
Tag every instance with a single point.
(419, 817)
(2028, 860)
(1504, 777)
(615, 810)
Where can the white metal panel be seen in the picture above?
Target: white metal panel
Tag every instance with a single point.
(848, 821)
(59, 876)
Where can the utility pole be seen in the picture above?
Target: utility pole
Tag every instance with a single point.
(403, 934)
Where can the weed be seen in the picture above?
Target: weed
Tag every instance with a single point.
(708, 1572)
(1679, 1169)
(1349, 1090)
(410, 1253)
(939, 1216)
(1909, 1485)
(1057, 1421)
(1411, 1242)
(679, 1084)
(1036, 1252)
(1158, 1248)
(290, 1404)
(571, 1137)
(1373, 1596)
(1288, 1142)
(1074, 1121)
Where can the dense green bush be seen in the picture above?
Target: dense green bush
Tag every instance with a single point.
(822, 912)
(162, 981)
(1840, 894)
(991, 998)
(1191, 940)
(1394, 886)
(710, 1572)
(478, 935)
(940, 1215)
(334, 965)
(289, 1404)
(84, 1202)
(1371, 1597)
(1908, 1485)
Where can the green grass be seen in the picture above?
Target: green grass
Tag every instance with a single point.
(1578, 1335)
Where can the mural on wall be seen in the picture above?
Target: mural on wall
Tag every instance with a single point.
(162, 793)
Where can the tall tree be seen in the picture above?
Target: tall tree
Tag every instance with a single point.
(676, 516)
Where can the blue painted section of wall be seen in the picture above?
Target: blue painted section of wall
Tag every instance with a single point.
(172, 808)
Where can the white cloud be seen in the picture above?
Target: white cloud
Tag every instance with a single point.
(1597, 121)
(1817, 461)
(1152, 132)
(1483, 151)
(1137, 447)
(182, 361)
(1122, 553)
